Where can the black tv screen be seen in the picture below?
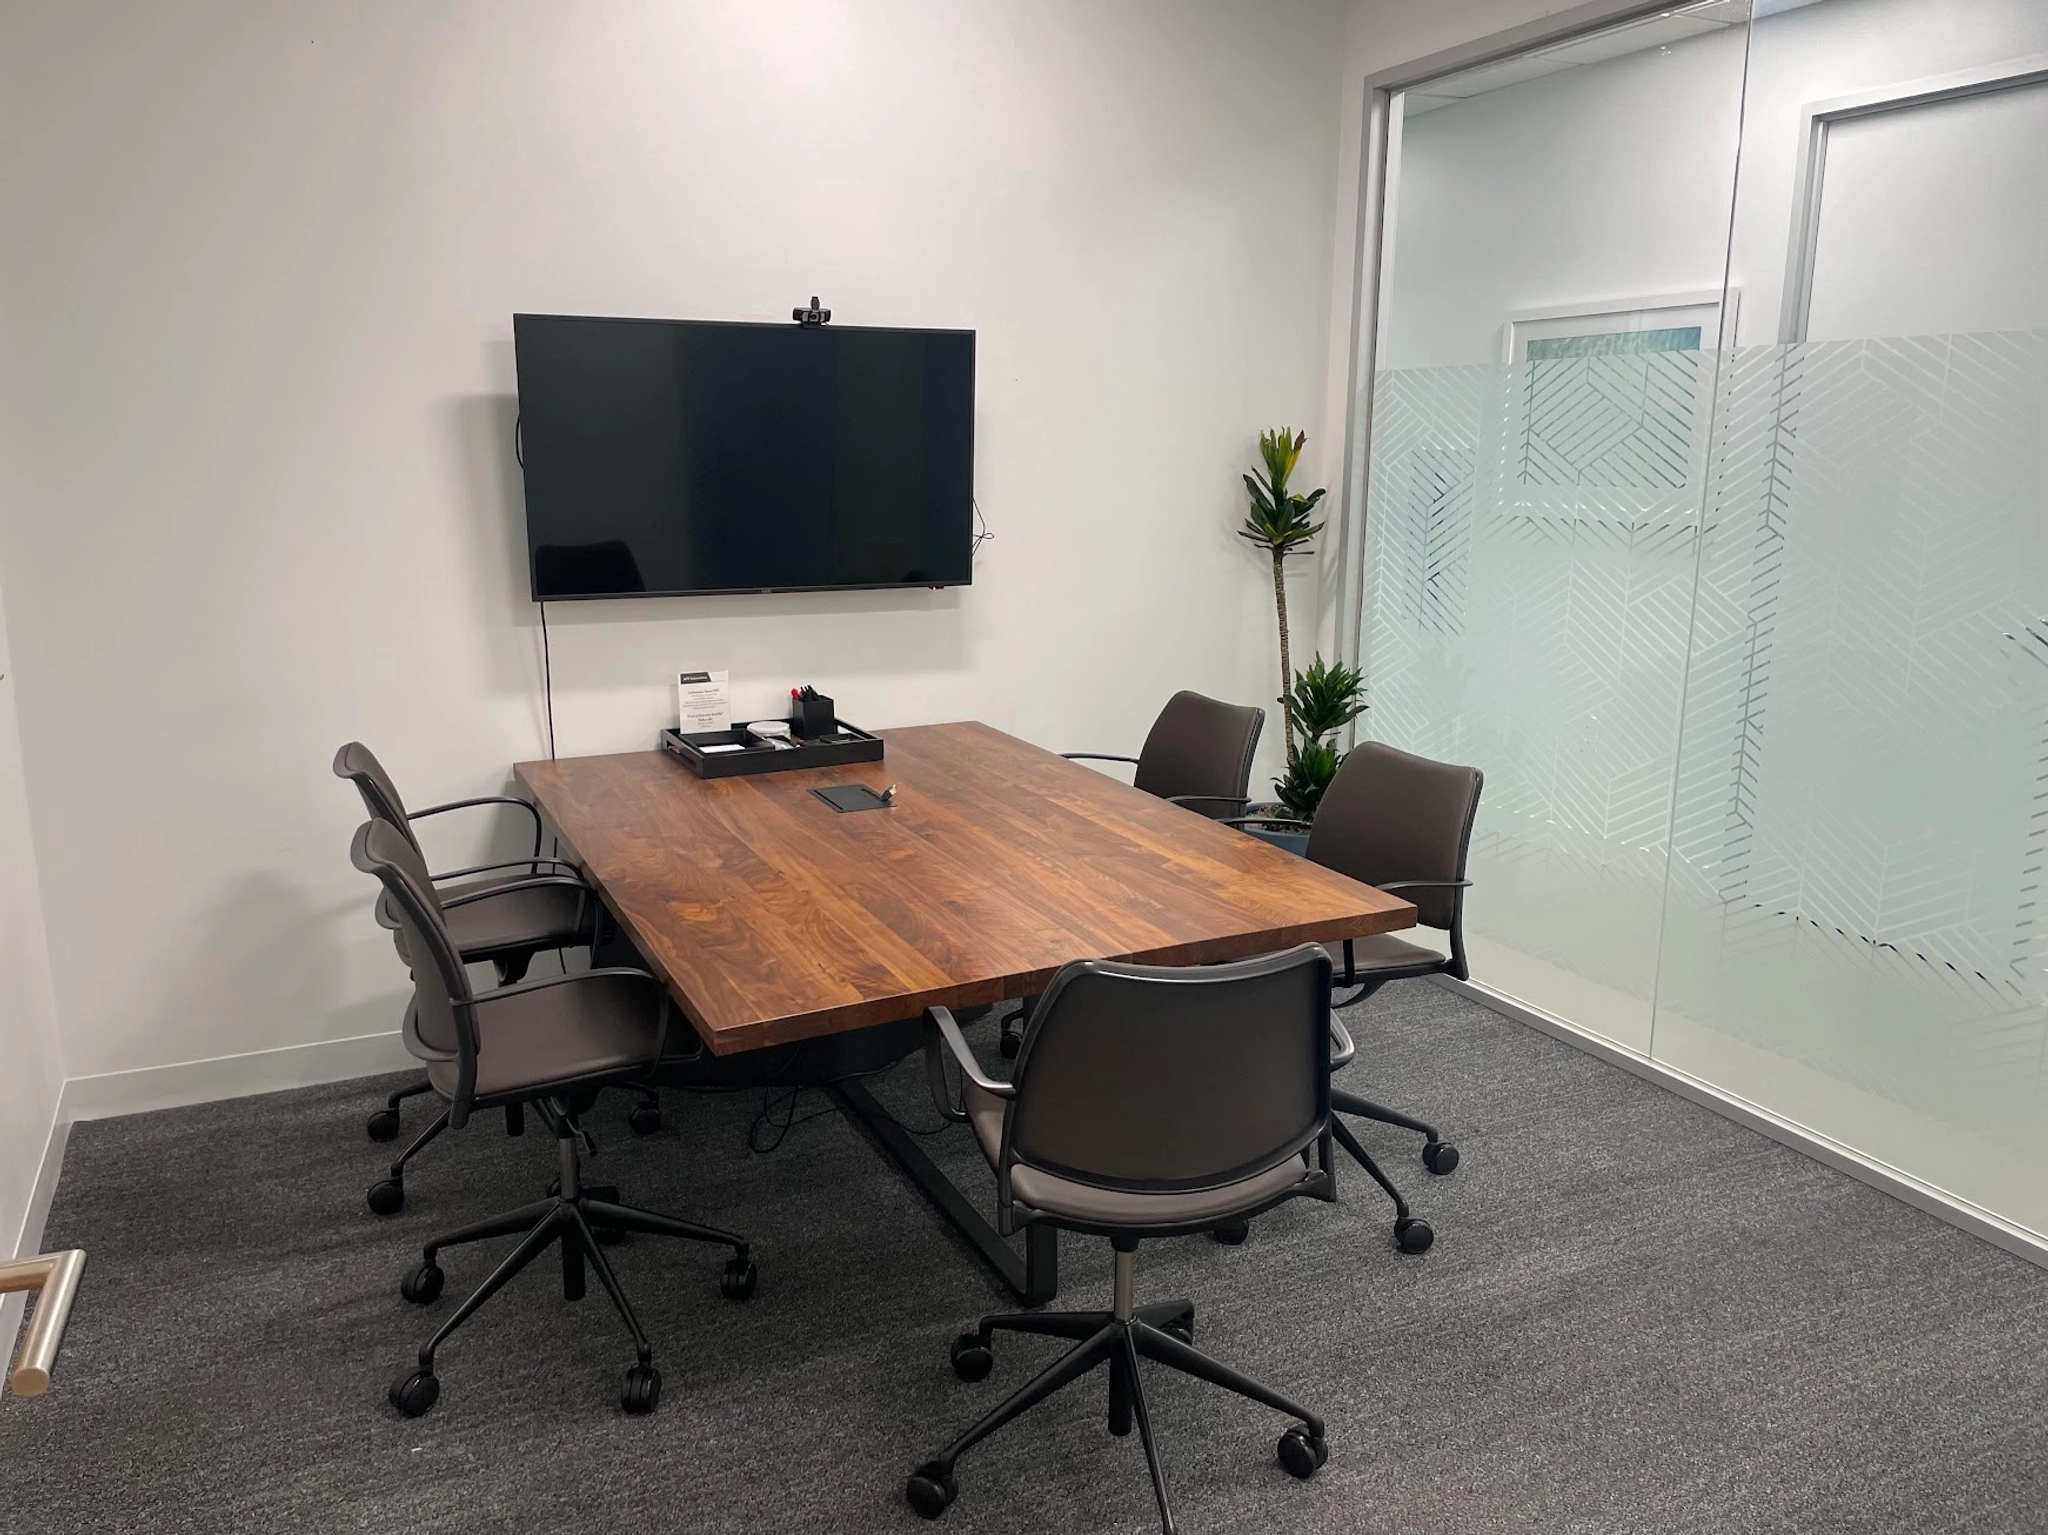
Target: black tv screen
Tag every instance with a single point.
(671, 457)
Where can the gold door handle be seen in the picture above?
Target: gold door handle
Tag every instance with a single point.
(54, 1276)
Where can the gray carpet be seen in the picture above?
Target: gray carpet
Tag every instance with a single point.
(1638, 1317)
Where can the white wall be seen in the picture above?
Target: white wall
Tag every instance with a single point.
(256, 275)
(31, 1064)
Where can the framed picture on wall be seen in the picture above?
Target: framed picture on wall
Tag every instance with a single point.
(1678, 322)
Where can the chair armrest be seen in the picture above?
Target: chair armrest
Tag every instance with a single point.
(1425, 884)
(941, 1030)
(485, 799)
(514, 863)
(1341, 1047)
(1209, 799)
(1095, 757)
(538, 882)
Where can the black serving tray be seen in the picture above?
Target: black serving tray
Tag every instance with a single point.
(688, 750)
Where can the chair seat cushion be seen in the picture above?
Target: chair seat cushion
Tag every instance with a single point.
(1055, 1195)
(559, 1034)
(546, 917)
(1383, 952)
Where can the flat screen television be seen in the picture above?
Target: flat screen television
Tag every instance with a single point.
(677, 457)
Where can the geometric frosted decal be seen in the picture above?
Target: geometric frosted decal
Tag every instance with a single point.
(1859, 826)
(1626, 420)
(1528, 579)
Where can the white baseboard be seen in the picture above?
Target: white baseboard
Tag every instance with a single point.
(230, 1076)
(1974, 1219)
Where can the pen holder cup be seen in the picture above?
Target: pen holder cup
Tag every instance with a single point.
(812, 717)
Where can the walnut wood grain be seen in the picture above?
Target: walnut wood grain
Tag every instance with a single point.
(774, 917)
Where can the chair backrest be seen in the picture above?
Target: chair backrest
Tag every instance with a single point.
(441, 990)
(357, 763)
(1389, 815)
(1149, 1079)
(1200, 745)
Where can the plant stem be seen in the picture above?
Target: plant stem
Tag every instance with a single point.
(1286, 659)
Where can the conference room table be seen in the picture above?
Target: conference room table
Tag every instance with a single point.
(774, 918)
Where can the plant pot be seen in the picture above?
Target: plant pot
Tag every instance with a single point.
(1288, 840)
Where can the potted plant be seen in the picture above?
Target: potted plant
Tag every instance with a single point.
(1281, 523)
(1324, 697)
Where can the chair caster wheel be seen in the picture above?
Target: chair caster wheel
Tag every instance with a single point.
(1412, 1234)
(1301, 1453)
(422, 1286)
(643, 1389)
(930, 1489)
(386, 1197)
(645, 1118)
(739, 1279)
(1009, 1042)
(972, 1359)
(1232, 1233)
(382, 1125)
(1183, 1328)
(415, 1393)
(1439, 1156)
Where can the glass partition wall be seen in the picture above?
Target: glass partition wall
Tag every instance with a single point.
(1706, 510)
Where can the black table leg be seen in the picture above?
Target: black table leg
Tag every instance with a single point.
(1034, 1278)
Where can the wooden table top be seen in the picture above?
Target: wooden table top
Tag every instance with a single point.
(773, 917)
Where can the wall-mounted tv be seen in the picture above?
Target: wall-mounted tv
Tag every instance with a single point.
(676, 457)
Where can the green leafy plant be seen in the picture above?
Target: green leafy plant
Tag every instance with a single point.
(1309, 771)
(1326, 697)
(1281, 523)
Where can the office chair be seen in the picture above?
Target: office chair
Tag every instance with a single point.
(1147, 1102)
(1404, 824)
(505, 919)
(1198, 754)
(549, 1042)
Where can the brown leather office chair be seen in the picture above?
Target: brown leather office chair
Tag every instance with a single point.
(1147, 1102)
(1198, 754)
(515, 910)
(1404, 824)
(552, 1043)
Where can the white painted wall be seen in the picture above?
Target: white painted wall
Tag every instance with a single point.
(256, 276)
(31, 1063)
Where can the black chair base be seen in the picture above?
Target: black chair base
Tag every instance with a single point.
(387, 1194)
(1162, 1333)
(1438, 1154)
(1412, 1234)
(577, 1220)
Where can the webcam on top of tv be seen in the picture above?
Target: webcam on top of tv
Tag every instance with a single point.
(811, 317)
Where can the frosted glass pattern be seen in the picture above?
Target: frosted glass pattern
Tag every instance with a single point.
(1528, 583)
(1855, 932)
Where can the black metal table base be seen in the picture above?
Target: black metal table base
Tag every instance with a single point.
(1033, 1278)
